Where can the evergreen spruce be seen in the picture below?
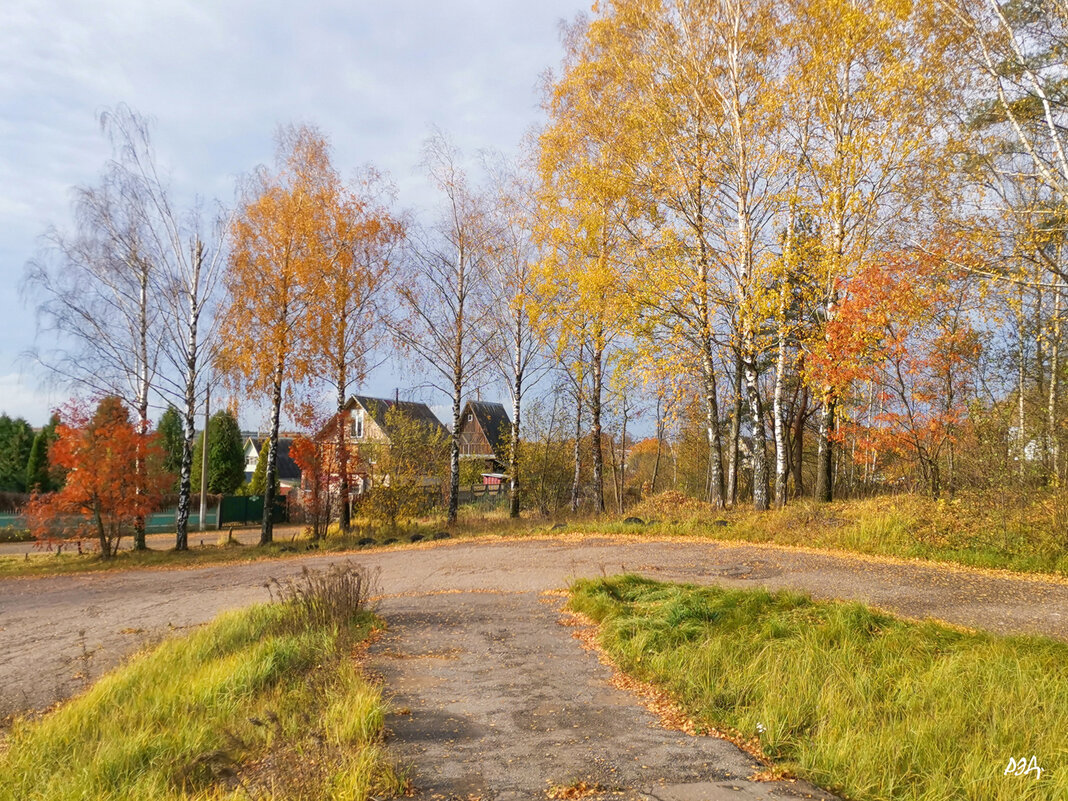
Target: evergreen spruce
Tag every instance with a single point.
(226, 455)
(41, 475)
(37, 478)
(171, 439)
(258, 484)
(16, 442)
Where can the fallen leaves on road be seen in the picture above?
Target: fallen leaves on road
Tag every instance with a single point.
(579, 789)
(660, 703)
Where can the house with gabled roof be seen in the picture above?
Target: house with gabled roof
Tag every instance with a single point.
(288, 471)
(368, 429)
(485, 428)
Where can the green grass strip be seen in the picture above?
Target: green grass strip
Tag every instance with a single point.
(237, 709)
(859, 702)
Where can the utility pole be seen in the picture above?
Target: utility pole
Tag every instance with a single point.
(204, 464)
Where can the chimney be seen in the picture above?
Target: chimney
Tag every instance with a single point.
(396, 394)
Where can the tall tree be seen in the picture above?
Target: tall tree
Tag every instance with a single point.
(746, 97)
(190, 295)
(672, 110)
(226, 455)
(439, 312)
(1017, 158)
(870, 80)
(273, 277)
(96, 287)
(16, 442)
(344, 320)
(653, 51)
(510, 336)
(129, 292)
(187, 259)
(684, 172)
(585, 215)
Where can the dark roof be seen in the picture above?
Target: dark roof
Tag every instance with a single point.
(378, 407)
(287, 468)
(495, 422)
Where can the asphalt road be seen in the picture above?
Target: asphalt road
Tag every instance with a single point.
(478, 601)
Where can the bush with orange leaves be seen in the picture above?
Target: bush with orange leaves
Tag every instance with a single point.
(115, 478)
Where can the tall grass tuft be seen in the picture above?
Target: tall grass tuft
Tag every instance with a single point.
(334, 596)
(862, 703)
(261, 703)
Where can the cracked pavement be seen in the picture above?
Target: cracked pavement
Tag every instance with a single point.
(504, 702)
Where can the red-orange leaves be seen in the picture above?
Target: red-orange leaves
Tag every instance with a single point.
(904, 346)
(105, 493)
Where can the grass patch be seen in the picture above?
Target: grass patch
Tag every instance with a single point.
(64, 563)
(1023, 533)
(858, 702)
(262, 703)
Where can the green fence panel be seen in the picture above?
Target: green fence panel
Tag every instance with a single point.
(249, 509)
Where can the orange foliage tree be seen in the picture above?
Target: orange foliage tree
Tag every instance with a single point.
(317, 482)
(356, 235)
(105, 494)
(905, 332)
(274, 271)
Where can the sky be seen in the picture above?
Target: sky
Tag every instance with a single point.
(217, 77)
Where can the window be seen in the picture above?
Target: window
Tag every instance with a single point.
(470, 417)
(356, 426)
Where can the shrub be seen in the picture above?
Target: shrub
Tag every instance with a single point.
(328, 597)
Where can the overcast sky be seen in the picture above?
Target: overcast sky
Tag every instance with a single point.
(218, 76)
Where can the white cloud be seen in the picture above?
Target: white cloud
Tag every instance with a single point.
(218, 76)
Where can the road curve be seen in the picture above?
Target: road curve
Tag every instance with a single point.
(59, 633)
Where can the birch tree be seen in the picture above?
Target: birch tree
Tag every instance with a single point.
(585, 209)
(438, 318)
(742, 92)
(344, 322)
(189, 262)
(97, 287)
(275, 263)
(510, 335)
(1017, 146)
(871, 78)
(661, 50)
(132, 290)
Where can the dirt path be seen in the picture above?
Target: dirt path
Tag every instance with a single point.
(246, 536)
(56, 634)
